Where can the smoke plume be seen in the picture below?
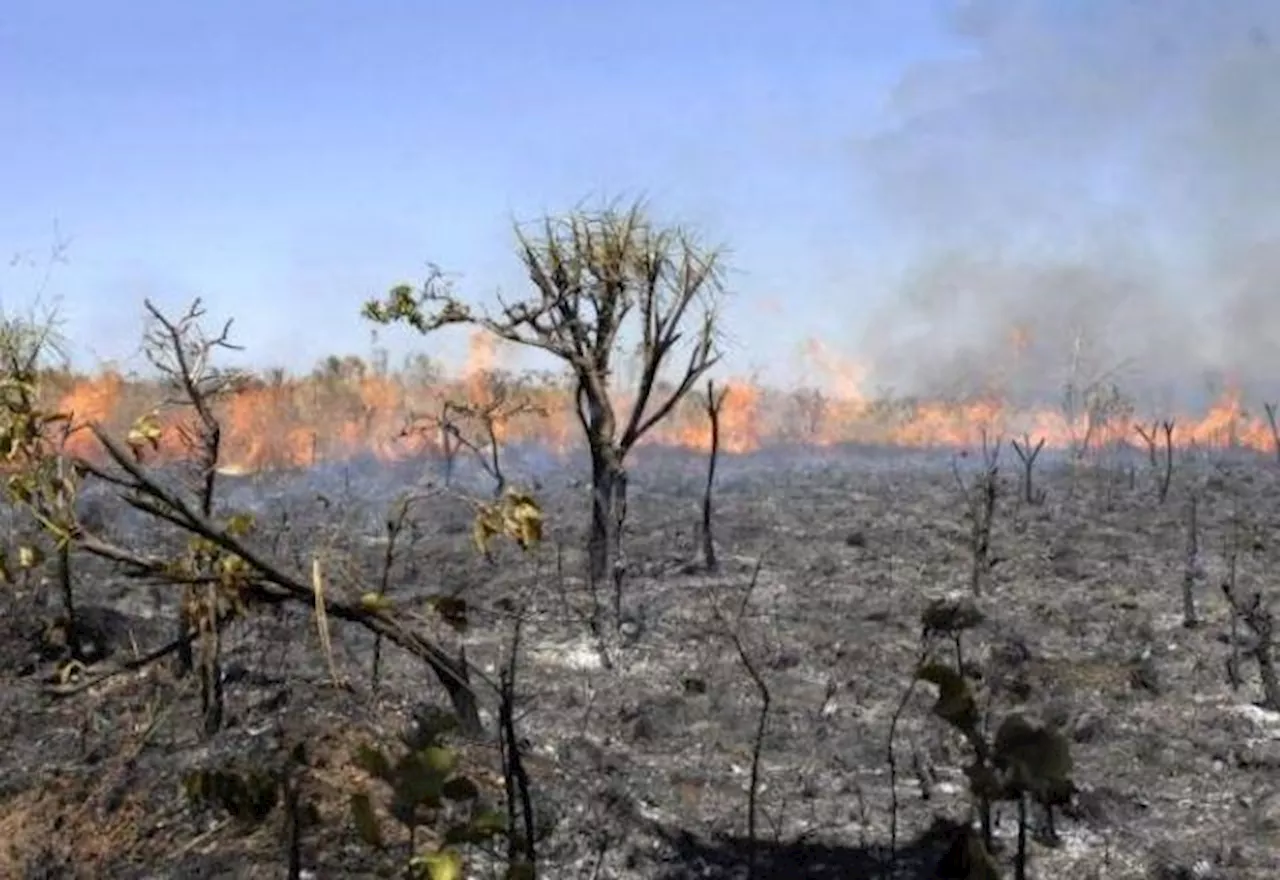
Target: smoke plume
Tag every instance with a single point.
(1093, 182)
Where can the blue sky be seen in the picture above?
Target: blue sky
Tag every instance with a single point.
(908, 180)
(284, 160)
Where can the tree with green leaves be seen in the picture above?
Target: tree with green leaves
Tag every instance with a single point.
(601, 281)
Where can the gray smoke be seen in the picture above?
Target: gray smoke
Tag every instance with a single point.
(1103, 175)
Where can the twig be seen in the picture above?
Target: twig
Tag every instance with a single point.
(181, 352)
(1150, 439)
(520, 848)
(757, 746)
(506, 401)
(892, 754)
(981, 511)
(395, 527)
(134, 664)
(199, 839)
(273, 579)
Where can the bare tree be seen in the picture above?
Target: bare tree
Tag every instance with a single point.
(1028, 453)
(478, 426)
(980, 497)
(182, 353)
(713, 403)
(1151, 438)
(598, 277)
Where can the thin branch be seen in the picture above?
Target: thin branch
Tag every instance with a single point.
(762, 719)
(455, 674)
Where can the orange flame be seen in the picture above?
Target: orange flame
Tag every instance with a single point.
(300, 421)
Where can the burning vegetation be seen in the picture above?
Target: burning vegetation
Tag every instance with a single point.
(612, 294)
(349, 408)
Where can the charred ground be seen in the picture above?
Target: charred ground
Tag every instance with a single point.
(641, 770)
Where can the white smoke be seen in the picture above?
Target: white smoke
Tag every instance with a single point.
(1097, 170)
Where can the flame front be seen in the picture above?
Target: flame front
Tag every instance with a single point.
(348, 412)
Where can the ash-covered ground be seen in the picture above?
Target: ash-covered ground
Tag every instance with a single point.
(641, 770)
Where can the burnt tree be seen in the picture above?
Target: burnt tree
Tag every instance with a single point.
(713, 403)
(600, 279)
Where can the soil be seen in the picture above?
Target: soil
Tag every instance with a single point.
(640, 766)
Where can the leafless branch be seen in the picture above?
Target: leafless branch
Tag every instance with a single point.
(734, 633)
(273, 583)
(714, 402)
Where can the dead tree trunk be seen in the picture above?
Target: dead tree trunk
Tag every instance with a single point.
(608, 512)
(714, 401)
(619, 521)
(1150, 439)
(597, 277)
(1229, 588)
(985, 510)
(495, 457)
(1167, 477)
(1258, 617)
(66, 585)
(449, 447)
(600, 537)
(1271, 409)
(1028, 454)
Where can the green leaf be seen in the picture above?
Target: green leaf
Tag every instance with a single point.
(374, 602)
(366, 821)
(439, 760)
(489, 822)
(29, 556)
(443, 865)
(240, 524)
(420, 777)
